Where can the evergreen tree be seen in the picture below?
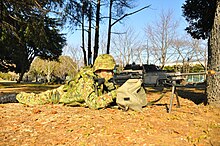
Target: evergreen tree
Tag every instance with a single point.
(204, 22)
(27, 31)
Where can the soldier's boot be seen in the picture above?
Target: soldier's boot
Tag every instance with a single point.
(8, 98)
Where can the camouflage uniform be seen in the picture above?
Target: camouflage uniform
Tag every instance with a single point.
(82, 90)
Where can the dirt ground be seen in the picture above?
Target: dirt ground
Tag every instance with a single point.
(191, 124)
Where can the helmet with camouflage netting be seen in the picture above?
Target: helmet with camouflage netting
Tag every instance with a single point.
(104, 62)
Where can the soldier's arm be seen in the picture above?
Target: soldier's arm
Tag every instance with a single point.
(97, 102)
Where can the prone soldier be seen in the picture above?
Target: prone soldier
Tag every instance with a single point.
(92, 87)
(83, 90)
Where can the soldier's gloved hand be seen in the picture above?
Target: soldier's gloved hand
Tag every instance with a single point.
(100, 81)
(110, 86)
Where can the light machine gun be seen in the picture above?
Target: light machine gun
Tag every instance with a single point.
(129, 72)
(130, 90)
(121, 78)
(137, 72)
(131, 93)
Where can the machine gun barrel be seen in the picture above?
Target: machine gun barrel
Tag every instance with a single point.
(185, 74)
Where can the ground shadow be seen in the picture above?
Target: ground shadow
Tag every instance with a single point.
(196, 97)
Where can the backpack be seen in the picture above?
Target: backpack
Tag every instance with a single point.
(131, 95)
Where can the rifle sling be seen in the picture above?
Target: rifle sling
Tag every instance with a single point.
(154, 101)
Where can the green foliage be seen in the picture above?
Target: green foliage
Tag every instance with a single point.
(197, 68)
(200, 15)
(179, 68)
(65, 66)
(28, 31)
(5, 76)
(174, 68)
(169, 68)
(73, 12)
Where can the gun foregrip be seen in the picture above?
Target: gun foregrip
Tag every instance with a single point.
(100, 81)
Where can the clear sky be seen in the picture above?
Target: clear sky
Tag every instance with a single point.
(139, 20)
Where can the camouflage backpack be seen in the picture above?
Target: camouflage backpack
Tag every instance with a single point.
(131, 95)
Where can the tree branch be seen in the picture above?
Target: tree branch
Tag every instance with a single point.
(128, 14)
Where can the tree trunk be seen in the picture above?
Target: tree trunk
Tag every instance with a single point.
(213, 81)
(83, 37)
(48, 70)
(162, 61)
(109, 26)
(96, 45)
(148, 53)
(1, 15)
(90, 36)
(36, 78)
(20, 77)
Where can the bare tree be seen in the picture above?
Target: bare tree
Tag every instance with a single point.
(146, 48)
(200, 51)
(97, 21)
(43, 67)
(187, 50)
(161, 34)
(125, 46)
(48, 69)
(119, 11)
(79, 13)
(139, 53)
(83, 31)
(103, 43)
(183, 52)
(65, 66)
(90, 15)
(36, 67)
(76, 54)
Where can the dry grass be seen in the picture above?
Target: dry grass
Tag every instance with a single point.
(191, 124)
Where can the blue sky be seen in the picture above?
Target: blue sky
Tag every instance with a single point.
(139, 20)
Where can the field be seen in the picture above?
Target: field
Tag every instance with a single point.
(191, 124)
